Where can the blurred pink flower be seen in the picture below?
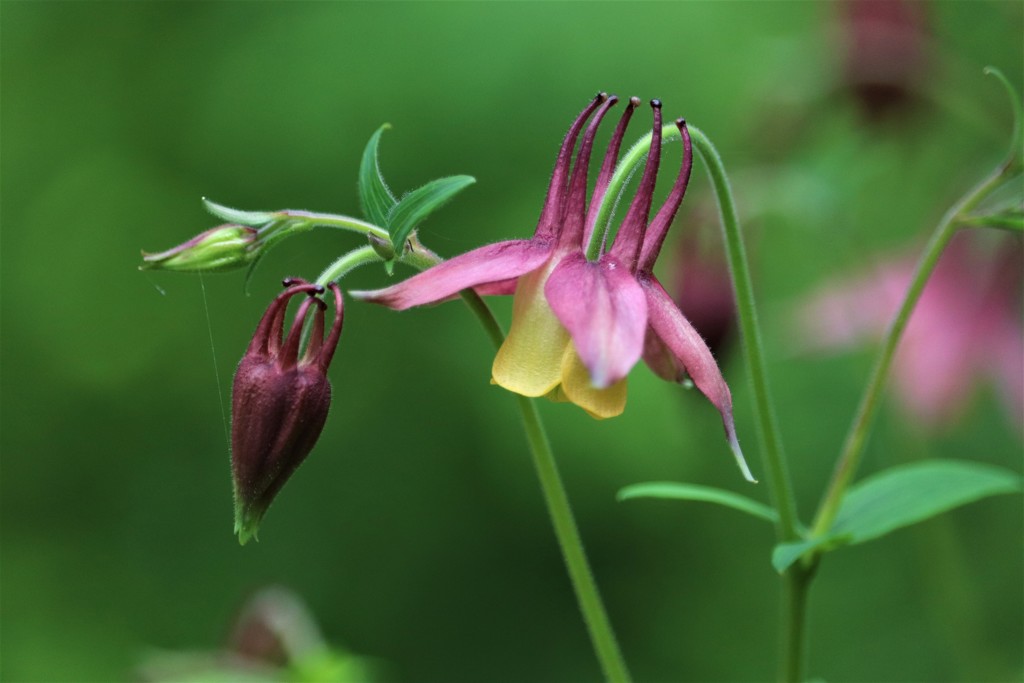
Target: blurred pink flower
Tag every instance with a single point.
(884, 52)
(965, 330)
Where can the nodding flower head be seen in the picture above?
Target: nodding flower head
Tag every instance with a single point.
(279, 400)
(579, 325)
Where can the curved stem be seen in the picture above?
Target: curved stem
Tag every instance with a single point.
(797, 578)
(768, 431)
(587, 595)
(347, 263)
(853, 447)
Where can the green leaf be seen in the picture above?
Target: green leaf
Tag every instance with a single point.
(905, 495)
(675, 491)
(374, 196)
(420, 203)
(786, 554)
(902, 496)
(226, 213)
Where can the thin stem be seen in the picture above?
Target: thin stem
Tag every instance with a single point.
(594, 614)
(347, 263)
(797, 578)
(796, 583)
(330, 220)
(587, 595)
(853, 447)
(768, 432)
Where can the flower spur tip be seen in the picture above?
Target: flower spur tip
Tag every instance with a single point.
(737, 453)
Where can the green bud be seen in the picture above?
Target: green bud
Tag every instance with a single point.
(225, 247)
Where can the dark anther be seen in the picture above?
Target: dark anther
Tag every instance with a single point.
(656, 103)
(680, 122)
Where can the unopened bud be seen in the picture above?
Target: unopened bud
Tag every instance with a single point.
(279, 401)
(224, 247)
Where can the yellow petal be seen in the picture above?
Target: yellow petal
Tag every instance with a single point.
(577, 387)
(530, 360)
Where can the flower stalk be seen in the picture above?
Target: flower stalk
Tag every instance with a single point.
(853, 447)
(595, 616)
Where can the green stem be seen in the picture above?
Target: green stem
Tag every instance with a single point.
(330, 220)
(853, 447)
(594, 614)
(796, 582)
(798, 577)
(347, 263)
(768, 432)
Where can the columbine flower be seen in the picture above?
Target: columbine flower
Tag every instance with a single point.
(965, 328)
(280, 401)
(224, 247)
(579, 326)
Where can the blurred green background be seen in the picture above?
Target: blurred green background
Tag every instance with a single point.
(416, 530)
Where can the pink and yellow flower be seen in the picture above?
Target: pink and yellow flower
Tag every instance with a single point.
(580, 325)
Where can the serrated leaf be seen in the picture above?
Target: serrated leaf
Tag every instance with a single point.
(707, 494)
(902, 496)
(375, 198)
(250, 218)
(420, 203)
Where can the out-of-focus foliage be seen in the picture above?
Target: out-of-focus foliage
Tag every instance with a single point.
(423, 541)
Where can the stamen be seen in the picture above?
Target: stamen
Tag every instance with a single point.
(573, 220)
(554, 204)
(608, 168)
(627, 242)
(658, 229)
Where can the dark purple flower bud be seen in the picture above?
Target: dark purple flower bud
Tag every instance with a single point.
(280, 401)
(886, 57)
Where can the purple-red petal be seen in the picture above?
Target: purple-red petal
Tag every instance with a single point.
(605, 312)
(487, 264)
(686, 344)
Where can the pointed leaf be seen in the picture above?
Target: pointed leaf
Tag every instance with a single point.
(902, 496)
(905, 495)
(708, 494)
(786, 554)
(250, 218)
(420, 203)
(375, 198)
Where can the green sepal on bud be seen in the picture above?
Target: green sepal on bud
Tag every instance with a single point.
(225, 247)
